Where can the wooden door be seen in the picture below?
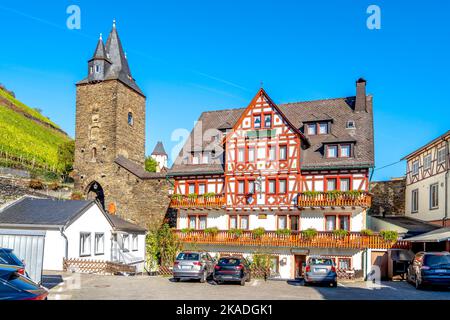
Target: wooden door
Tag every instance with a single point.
(299, 260)
(380, 259)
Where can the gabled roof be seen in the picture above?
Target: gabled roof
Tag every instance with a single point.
(159, 150)
(137, 170)
(339, 110)
(119, 68)
(441, 137)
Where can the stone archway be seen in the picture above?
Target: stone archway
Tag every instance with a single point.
(95, 192)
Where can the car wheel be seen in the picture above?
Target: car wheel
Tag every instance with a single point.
(243, 282)
(204, 276)
(418, 284)
(176, 279)
(249, 278)
(334, 284)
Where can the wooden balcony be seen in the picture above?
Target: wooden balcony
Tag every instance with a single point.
(272, 239)
(197, 202)
(330, 200)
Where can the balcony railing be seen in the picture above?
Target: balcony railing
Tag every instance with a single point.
(187, 202)
(299, 240)
(330, 199)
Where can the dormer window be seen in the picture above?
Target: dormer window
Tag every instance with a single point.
(338, 151)
(351, 124)
(332, 151)
(323, 128)
(317, 128)
(312, 129)
(345, 151)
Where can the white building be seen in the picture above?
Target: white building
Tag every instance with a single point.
(160, 156)
(76, 230)
(427, 182)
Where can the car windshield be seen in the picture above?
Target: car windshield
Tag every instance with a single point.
(327, 262)
(188, 256)
(437, 260)
(9, 258)
(229, 262)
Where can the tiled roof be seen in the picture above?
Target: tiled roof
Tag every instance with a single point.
(340, 111)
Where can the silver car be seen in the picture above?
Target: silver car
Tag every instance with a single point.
(193, 265)
(320, 270)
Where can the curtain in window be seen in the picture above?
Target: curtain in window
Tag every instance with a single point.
(192, 222)
(244, 222)
(282, 222)
(233, 222)
(344, 222)
(330, 223)
(202, 223)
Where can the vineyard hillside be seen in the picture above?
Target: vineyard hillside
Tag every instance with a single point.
(28, 139)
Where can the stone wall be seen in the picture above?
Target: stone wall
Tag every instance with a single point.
(388, 197)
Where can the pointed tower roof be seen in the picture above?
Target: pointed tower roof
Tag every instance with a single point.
(113, 52)
(159, 150)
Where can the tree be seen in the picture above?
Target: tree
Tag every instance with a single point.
(162, 247)
(150, 164)
(66, 154)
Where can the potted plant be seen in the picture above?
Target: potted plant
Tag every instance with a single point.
(211, 231)
(283, 232)
(259, 232)
(187, 230)
(236, 233)
(389, 236)
(309, 234)
(340, 233)
(366, 232)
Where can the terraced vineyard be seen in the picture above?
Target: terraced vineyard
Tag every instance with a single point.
(27, 138)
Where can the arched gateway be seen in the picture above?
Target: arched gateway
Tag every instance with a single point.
(95, 192)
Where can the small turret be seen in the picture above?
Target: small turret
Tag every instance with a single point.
(99, 64)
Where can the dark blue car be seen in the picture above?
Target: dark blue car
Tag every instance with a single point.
(14, 284)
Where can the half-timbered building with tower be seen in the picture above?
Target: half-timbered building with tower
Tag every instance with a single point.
(288, 181)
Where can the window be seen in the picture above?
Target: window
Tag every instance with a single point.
(415, 201)
(126, 242)
(415, 168)
(191, 188)
(331, 184)
(130, 118)
(434, 196)
(201, 189)
(323, 128)
(441, 156)
(244, 223)
(294, 223)
(192, 222)
(135, 241)
(91, 70)
(330, 223)
(272, 188)
(282, 185)
(351, 124)
(344, 263)
(97, 69)
(283, 152)
(241, 187)
(196, 159)
(345, 151)
(94, 154)
(251, 187)
(268, 121)
(241, 155)
(282, 222)
(233, 222)
(257, 121)
(99, 243)
(427, 162)
(332, 151)
(272, 153)
(312, 129)
(251, 155)
(262, 153)
(205, 158)
(344, 223)
(345, 184)
(202, 221)
(85, 244)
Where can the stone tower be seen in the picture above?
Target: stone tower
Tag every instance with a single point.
(110, 136)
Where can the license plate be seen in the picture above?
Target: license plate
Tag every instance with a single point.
(185, 267)
(320, 270)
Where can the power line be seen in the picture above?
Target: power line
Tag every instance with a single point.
(387, 166)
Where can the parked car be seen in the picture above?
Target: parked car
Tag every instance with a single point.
(193, 265)
(234, 269)
(9, 260)
(16, 286)
(430, 269)
(320, 270)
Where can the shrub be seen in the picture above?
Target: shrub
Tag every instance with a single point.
(213, 231)
(259, 232)
(36, 184)
(389, 235)
(309, 233)
(236, 232)
(366, 232)
(283, 232)
(340, 233)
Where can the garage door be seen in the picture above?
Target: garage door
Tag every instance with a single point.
(380, 259)
(28, 246)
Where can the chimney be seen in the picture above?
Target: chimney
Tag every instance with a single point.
(360, 103)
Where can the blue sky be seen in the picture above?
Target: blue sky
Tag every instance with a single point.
(192, 56)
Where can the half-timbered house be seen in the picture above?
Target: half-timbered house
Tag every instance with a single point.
(288, 181)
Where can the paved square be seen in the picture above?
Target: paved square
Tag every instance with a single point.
(68, 286)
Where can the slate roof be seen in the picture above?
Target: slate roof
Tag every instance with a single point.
(43, 212)
(159, 150)
(118, 68)
(414, 226)
(137, 170)
(340, 111)
(46, 213)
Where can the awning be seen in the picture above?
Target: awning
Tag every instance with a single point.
(401, 255)
(439, 235)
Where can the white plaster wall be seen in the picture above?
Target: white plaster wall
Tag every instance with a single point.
(54, 251)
